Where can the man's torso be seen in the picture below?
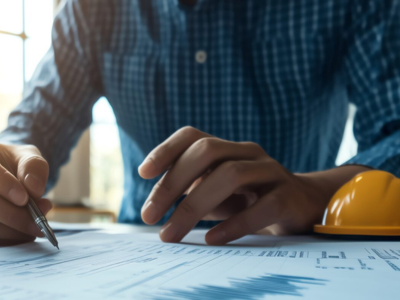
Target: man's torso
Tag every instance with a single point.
(261, 71)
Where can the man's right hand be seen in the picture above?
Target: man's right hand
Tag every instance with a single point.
(22, 170)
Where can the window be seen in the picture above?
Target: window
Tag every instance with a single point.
(25, 36)
(106, 174)
(349, 145)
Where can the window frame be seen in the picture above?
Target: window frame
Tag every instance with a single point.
(22, 35)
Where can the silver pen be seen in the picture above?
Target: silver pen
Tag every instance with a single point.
(37, 215)
(41, 222)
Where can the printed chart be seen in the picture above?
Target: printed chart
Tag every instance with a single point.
(139, 266)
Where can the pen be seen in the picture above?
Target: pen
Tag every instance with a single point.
(38, 216)
(41, 222)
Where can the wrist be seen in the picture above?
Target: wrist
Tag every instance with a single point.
(326, 183)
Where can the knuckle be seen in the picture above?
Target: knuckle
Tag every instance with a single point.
(205, 146)
(257, 148)
(269, 163)
(272, 165)
(188, 131)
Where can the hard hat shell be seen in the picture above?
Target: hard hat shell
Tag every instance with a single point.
(369, 204)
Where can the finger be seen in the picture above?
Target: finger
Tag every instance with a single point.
(158, 160)
(194, 184)
(11, 188)
(9, 236)
(212, 192)
(231, 206)
(32, 170)
(191, 165)
(265, 212)
(19, 218)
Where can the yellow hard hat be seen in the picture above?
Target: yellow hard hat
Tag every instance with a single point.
(369, 204)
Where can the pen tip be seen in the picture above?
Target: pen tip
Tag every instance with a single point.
(57, 247)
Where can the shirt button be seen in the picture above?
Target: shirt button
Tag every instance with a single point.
(201, 56)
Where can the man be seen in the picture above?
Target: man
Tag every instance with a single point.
(243, 102)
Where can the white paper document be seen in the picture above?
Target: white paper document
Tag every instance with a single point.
(93, 265)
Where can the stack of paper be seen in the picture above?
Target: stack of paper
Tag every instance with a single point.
(93, 265)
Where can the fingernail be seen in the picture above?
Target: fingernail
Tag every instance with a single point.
(150, 212)
(18, 196)
(35, 184)
(168, 233)
(216, 236)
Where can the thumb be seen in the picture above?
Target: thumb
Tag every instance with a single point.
(32, 170)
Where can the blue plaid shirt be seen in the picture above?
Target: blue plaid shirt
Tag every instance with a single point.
(278, 73)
